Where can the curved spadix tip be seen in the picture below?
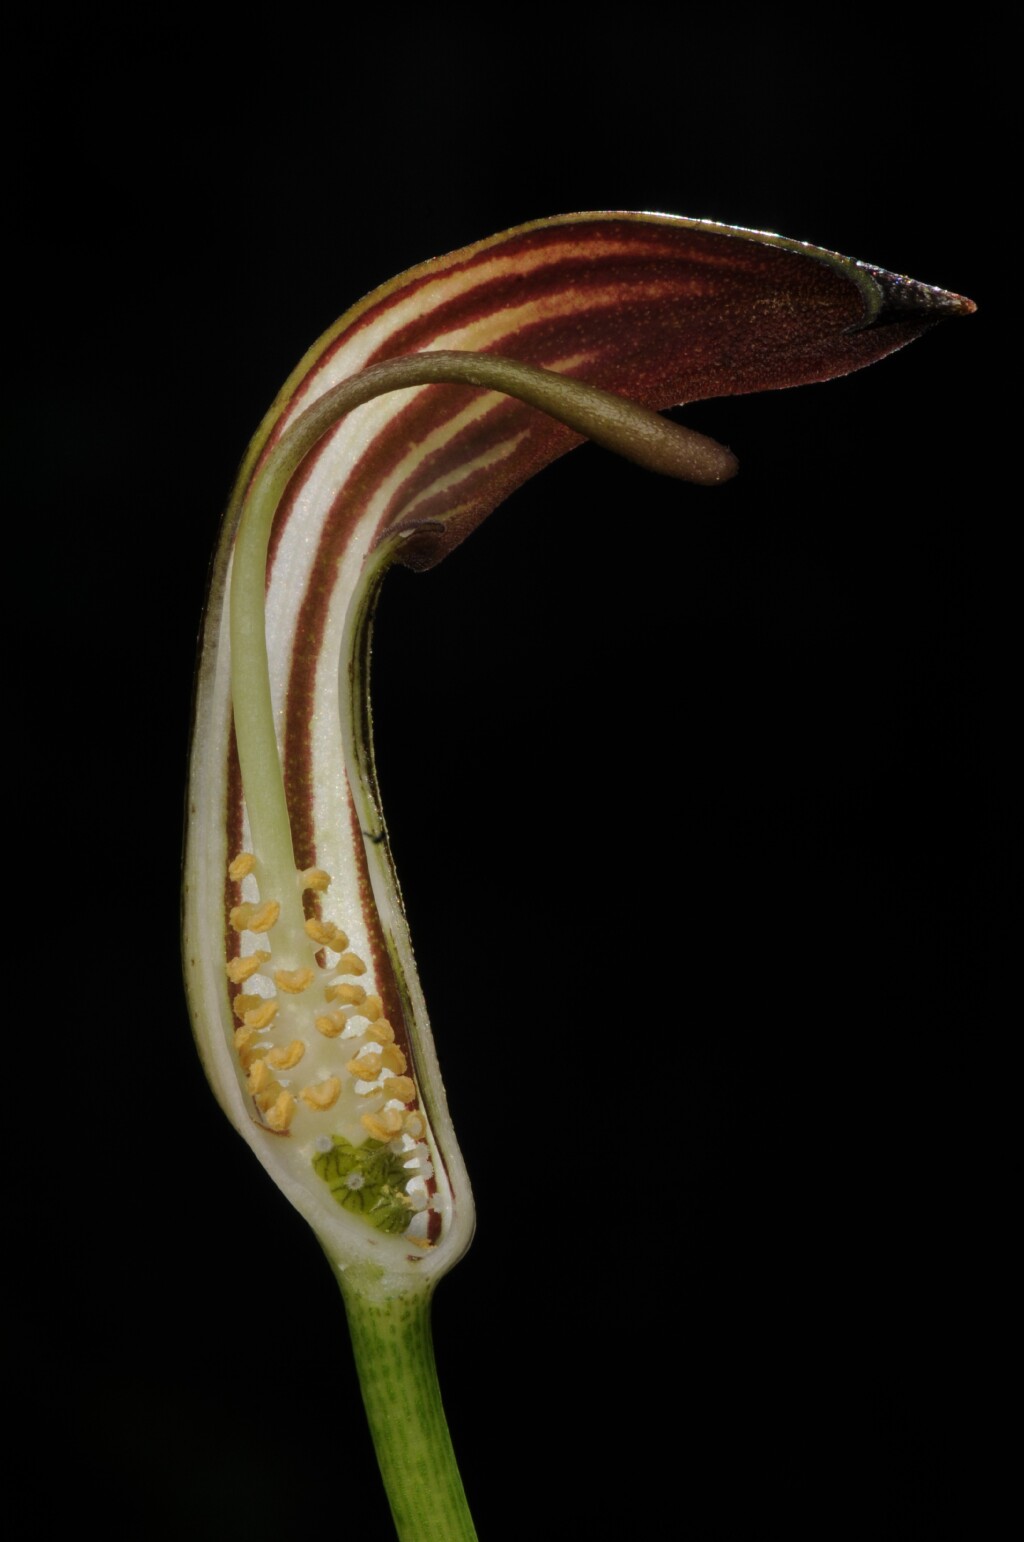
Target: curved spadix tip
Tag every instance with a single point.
(615, 422)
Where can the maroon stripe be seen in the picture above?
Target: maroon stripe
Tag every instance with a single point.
(678, 255)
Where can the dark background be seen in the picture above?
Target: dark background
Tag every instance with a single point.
(741, 1281)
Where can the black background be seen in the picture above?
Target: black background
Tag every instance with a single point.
(698, 788)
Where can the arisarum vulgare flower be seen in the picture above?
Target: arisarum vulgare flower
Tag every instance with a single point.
(401, 429)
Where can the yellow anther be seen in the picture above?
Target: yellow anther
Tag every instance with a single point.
(371, 1060)
(366, 1066)
(348, 995)
(241, 866)
(373, 1008)
(316, 879)
(383, 1126)
(330, 1024)
(294, 981)
(281, 1114)
(259, 1077)
(381, 1030)
(284, 1058)
(401, 1087)
(268, 1095)
(255, 918)
(261, 1016)
(415, 1125)
(322, 1095)
(243, 1003)
(264, 916)
(247, 1053)
(326, 934)
(240, 969)
(350, 963)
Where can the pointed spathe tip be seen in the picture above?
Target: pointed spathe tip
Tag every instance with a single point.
(906, 299)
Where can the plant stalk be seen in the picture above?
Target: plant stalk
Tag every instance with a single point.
(394, 1356)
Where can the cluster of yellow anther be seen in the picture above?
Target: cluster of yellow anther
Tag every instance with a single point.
(277, 1031)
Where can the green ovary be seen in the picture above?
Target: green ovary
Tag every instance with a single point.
(368, 1180)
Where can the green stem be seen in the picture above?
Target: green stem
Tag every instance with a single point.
(395, 1359)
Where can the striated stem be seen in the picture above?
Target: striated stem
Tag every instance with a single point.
(395, 1357)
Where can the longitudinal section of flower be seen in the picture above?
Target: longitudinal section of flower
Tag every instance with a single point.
(321, 1059)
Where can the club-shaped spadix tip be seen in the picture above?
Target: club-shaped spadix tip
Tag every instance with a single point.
(674, 450)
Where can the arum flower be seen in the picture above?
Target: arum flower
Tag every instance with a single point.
(418, 412)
